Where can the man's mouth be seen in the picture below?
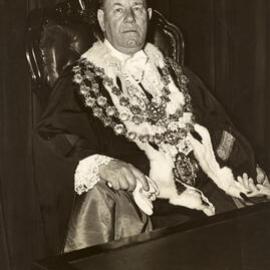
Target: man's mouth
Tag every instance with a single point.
(129, 31)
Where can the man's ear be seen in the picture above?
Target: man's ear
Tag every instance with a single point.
(149, 11)
(100, 17)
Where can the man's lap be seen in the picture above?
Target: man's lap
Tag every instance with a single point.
(103, 215)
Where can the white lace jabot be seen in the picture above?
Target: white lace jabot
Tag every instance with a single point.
(132, 64)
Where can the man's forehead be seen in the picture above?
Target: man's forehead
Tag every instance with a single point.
(124, 2)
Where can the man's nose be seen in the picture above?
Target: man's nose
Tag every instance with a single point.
(130, 16)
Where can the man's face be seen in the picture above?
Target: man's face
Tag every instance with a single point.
(124, 23)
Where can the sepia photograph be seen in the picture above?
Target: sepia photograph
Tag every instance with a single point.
(134, 135)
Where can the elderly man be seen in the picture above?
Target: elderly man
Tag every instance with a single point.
(139, 126)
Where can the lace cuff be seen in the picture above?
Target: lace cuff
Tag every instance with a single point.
(87, 172)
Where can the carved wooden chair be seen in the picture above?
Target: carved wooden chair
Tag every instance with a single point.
(56, 37)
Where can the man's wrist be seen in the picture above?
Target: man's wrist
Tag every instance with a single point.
(87, 172)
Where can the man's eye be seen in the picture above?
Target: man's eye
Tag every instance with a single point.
(138, 9)
(118, 10)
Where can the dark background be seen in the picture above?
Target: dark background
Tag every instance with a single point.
(227, 45)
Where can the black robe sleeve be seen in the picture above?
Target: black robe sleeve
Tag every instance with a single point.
(209, 113)
(68, 128)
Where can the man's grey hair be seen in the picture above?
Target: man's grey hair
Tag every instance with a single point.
(100, 3)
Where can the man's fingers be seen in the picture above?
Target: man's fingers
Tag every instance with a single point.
(245, 181)
(115, 185)
(131, 185)
(129, 178)
(142, 178)
(111, 183)
(153, 185)
(264, 189)
(117, 182)
(122, 175)
(131, 182)
(248, 186)
(260, 175)
(124, 185)
(251, 185)
(240, 181)
(144, 182)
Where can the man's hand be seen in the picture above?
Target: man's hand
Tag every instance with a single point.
(258, 190)
(122, 176)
